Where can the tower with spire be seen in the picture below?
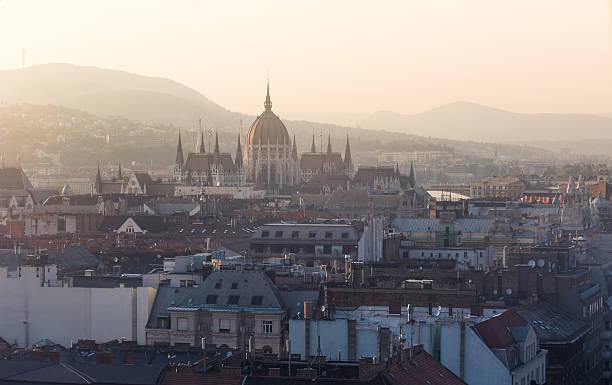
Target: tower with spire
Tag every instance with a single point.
(268, 151)
(98, 183)
(411, 177)
(180, 160)
(348, 161)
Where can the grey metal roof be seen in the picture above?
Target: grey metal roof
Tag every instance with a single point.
(301, 232)
(245, 284)
(423, 225)
(168, 208)
(31, 372)
(553, 325)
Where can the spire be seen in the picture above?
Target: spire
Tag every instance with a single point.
(99, 181)
(329, 149)
(216, 143)
(268, 103)
(119, 173)
(179, 152)
(313, 148)
(411, 177)
(238, 162)
(348, 161)
(217, 153)
(202, 149)
(294, 154)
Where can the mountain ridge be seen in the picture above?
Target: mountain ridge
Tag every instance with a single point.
(463, 120)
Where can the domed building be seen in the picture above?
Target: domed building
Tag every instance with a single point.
(271, 156)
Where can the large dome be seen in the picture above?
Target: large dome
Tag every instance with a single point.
(268, 128)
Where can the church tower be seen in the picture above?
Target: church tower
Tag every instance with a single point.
(348, 161)
(180, 161)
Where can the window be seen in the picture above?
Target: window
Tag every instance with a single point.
(312, 234)
(235, 285)
(295, 234)
(233, 300)
(257, 300)
(225, 325)
(182, 324)
(61, 224)
(278, 234)
(344, 235)
(250, 325)
(218, 285)
(328, 234)
(265, 234)
(162, 323)
(267, 327)
(211, 299)
(183, 283)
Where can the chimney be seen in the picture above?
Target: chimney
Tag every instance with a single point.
(309, 373)
(128, 358)
(104, 358)
(54, 356)
(368, 367)
(274, 372)
(307, 309)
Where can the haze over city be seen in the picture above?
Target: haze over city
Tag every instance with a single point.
(306, 192)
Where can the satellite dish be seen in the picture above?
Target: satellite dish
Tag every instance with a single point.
(508, 291)
(531, 263)
(541, 262)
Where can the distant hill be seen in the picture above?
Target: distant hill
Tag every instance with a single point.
(160, 102)
(111, 92)
(470, 121)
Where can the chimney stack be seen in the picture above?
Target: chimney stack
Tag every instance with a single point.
(307, 309)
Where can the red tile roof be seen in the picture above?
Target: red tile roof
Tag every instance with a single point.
(421, 369)
(495, 331)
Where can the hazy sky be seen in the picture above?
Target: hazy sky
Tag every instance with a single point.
(336, 56)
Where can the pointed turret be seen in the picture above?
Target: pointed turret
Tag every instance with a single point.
(411, 177)
(294, 154)
(99, 181)
(238, 162)
(348, 161)
(119, 173)
(217, 144)
(329, 149)
(179, 152)
(217, 153)
(268, 102)
(202, 149)
(313, 148)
